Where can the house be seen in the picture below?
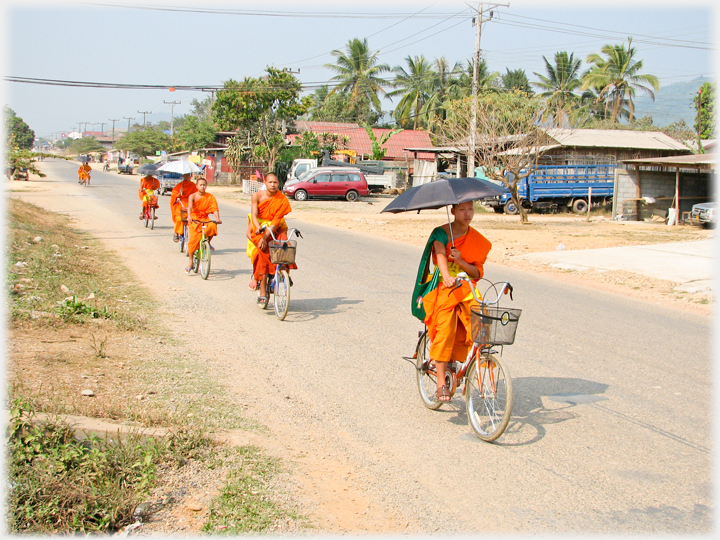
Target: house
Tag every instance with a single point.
(578, 147)
(651, 186)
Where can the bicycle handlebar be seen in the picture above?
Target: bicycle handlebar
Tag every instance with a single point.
(505, 289)
(290, 232)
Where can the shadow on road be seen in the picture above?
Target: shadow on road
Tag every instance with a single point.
(538, 402)
(306, 309)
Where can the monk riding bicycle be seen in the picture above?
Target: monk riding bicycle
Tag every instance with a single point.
(486, 381)
(201, 256)
(282, 255)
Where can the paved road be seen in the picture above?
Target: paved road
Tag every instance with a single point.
(611, 431)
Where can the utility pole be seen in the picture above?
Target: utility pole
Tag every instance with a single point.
(699, 119)
(172, 107)
(102, 126)
(477, 21)
(128, 119)
(82, 133)
(113, 120)
(144, 113)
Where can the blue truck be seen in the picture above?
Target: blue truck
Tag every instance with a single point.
(552, 188)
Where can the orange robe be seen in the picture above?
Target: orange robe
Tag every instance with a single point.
(151, 183)
(81, 173)
(87, 168)
(271, 211)
(207, 204)
(448, 311)
(181, 192)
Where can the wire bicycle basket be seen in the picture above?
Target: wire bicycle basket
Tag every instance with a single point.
(492, 325)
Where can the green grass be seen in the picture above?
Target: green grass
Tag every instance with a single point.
(57, 484)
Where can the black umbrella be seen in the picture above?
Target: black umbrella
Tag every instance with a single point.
(148, 169)
(441, 193)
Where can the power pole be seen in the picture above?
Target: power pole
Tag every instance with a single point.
(144, 113)
(128, 119)
(113, 120)
(477, 21)
(172, 107)
(102, 126)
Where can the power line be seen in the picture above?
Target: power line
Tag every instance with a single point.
(285, 14)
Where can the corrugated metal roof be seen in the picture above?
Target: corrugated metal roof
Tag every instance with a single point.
(616, 138)
(706, 161)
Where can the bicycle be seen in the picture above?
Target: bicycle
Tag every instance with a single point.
(185, 236)
(201, 257)
(282, 255)
(149, 209)
(486, 381)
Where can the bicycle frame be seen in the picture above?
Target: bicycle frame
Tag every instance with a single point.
(280, 278)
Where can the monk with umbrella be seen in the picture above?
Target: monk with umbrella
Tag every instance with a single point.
(453, 248)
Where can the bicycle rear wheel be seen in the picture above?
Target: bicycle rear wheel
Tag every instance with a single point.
(426, 373)
(152, 218)
(183, 239)
(146, 215)
(488, 396)
(282, 293)
(204, 259)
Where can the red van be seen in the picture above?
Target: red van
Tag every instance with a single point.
(343, 182)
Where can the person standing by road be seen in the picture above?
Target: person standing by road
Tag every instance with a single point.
(447, 306)
(179, 201)
(201, 205)
(269, 207)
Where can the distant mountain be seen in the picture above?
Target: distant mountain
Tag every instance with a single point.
(672, 103)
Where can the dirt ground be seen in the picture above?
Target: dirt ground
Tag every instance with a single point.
(511, 240)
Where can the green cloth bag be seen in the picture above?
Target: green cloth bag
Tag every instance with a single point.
(422, 285)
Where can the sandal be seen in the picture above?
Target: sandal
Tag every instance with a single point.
(188, 270)
(442, 394)
(253, 285)
(262, 301)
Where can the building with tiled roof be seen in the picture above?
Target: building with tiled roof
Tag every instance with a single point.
(361, 143)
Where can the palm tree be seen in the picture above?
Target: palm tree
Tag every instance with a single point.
(618, 76)
(487, 81)
(516, 80)
(357, 75)
(443, 78)
(560, 84)
(414, 85)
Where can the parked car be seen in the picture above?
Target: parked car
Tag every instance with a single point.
(704, 214)
(340, 182)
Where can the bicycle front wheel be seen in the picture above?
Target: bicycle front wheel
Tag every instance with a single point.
(488, 396)
(204, 259)
(282, 293)
(146, 215)
(426, 373)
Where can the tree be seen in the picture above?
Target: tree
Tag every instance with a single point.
(705, 105)
(20, 161)
(516, 80)
(508, 136)
(378, 152)
(195, 133)
(238, 150)
(17, 132)
(358, 77)
(618, 76)
(145, 141)
(85, 145)
(268, 139)
(560, 85)
(461, 86)
(415, 86)
(240, 104)
(443, 78)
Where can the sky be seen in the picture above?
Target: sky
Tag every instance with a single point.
(204, 43)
